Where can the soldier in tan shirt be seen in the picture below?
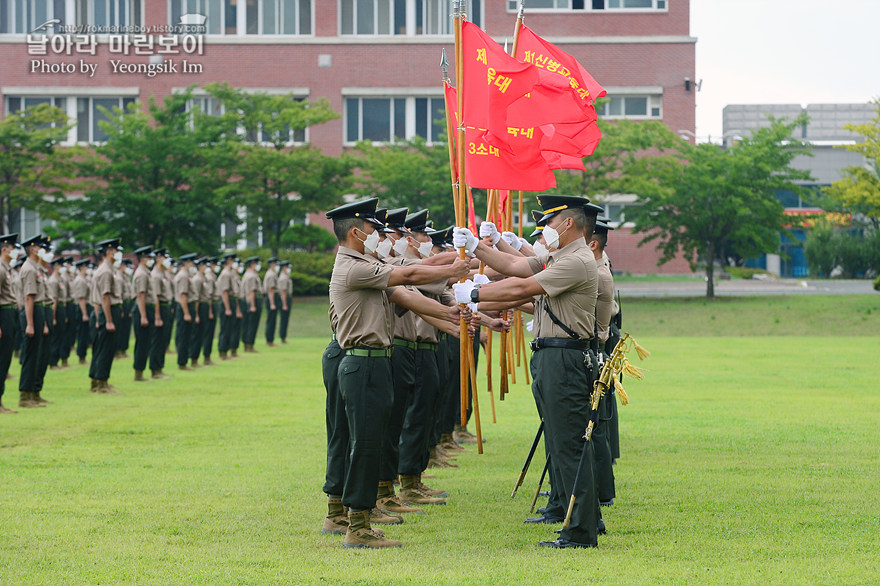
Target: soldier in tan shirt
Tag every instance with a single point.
(251, 293)
(186, 297)
(107, 292)
(8, 310)
(285, 292)
(145, 311)
(212, 300)
(228, 306)
(80, 293)
(164, 320)
(273, 299)
(33, 324)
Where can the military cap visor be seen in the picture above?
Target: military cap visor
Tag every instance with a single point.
(160, 252)
(603, 227)
(143, 250)
(593, 209)
(285, 263)
(417, 221)
(9, 239)
(109, 243)
(553, 204)
(438, 237)
(251, 260)
(538, 231)
(188, 257)
(81, 262)
(33, 241)
(396, 219)
(272, 259)
(365, 210)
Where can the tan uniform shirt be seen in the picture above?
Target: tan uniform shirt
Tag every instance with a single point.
(7, 287)
(250, 282)
(358, 294)
(107, 283)
(425, 332)
(404, 319)
(236, 285)
(604, 300)
(32, 282)
(157, 284)
(270, 280)
(183, 286)
(16, 287)
(79, 288)
(211, 285)
(226, 282)
(43, 295)
(285, 285)
(53, 284)
(143, 283)
(66, 286)
(168, 286)
(120, 286)
(127, 288)
(571, 283)
(197, 283)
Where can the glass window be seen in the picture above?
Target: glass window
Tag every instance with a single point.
(217, 16)
(389, 17)
(108, 15)
(632, 107)
(513, 5)
(380, 119)
(24, 16)
(88, 115)
(279, 17)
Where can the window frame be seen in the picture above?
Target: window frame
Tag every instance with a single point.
(410, 115)
(411, 26)
(260, 20)
(512, 7)
(13, 17)
(89, 7)
(654, 100)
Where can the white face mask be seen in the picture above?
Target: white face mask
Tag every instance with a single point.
(551, 237)
(174, 270)
(384, 248)
(150, 263)
(14, 254)
(129, 271)
(59, 270)
(425, 249)
(540, 249)
(258, 267)
(277, 270)
(193, 270)
(370, 242)
(90, 272)
(216, 269)
(400, 246)
(117, 256)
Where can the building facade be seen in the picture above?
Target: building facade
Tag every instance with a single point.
(376, 61)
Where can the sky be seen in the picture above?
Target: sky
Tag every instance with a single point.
(783, 52)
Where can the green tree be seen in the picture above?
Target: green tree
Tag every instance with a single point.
(859, 190)
(159, 176)
(274, 180)
(409, 174)
(309, 238)
(33, 170)
(708, 198)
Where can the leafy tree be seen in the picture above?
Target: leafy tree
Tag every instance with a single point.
(32, 168)
(159, 175)
(708, 197)
(278, 182)
(310, 238)
(409, 174)
(859, 190)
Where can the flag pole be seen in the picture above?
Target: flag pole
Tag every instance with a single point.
(490, 193)
(519, 20)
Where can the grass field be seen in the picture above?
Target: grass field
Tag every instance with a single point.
(747, 457)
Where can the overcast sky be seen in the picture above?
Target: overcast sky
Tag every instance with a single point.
(783, 52)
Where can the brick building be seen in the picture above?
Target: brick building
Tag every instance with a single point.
(376, 61)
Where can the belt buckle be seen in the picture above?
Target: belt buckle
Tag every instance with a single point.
(533, 344)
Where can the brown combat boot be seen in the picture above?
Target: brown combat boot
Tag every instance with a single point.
(139, 376)
(4, 410)
(380, 517)
(36, 398)
(26, 401)
(463, 436)
(158, 374)
(94, 388)
(194, 363)
(361, 535)
(83, 361)
(388, 501)
(207, 362)
(64, 363)
(183, 367)
(233, 353)
(336, 521)
(105, 388)
(223, 356)
(430, 491)
(449, 444)
(412, 495)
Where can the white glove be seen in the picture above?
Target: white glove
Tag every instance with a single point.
(464, 238)
(521, 242)
(488, 230)
(474, 307)
(462, 291)
(481, 279)
(530, 324)
(512, 239)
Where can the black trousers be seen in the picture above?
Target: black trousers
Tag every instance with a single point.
(197, 336)
(336, 422)
(143, 335)
(43, 365)
(159, 340)
(453, 404)
(8, 328)
(83, 332)
(363, 383)
(184, 333)
(419, 421)
(227, 326)
(403, 368)
(602, 450)
(31, 347)
(251, 322)
(123, 334)
(72, 312)
(284, 319)
(272, 317)
(562, 386)
(59, 333)
(210, 328)
(443, 390)
(238, 328)
(105, 345)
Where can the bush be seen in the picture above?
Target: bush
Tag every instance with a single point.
(310, 271)
(745, 272)
(309, 286)
(877, 284)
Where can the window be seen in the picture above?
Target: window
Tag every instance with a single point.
(384, 119)
(631, 107)
(279, 17)
(391, 17)
(213, 107)
(19, 103)
(89, 114)
(513, 5)
(23, 16)
(219, 15)
(108, 15)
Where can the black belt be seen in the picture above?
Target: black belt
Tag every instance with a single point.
(9, 306)
(572, 344)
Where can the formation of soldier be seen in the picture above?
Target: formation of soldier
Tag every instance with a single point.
(52, 307)
(391, 369)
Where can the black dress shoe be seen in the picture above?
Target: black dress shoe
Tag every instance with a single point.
(544, 493)
(565, 543)
(600, 529)
(544, 518)
(607, 503)
(541, 510)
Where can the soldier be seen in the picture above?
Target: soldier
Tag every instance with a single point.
(124, 272)
(108, 293)
(202, 310)
(79, 292)
(145, 311)
(162, 322)
(241, 308)
(360, 290)
(273, 299)
(186, 308)
(563, 370)
(212, 299)
(8, 310)
(285, 292)
(45, 305)
(33, 324)
(58, 319)
(228, 306)
(71, 312)
(252, 297)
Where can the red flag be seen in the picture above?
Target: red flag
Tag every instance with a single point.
(472, 215)
(452, 111)
(490, 167)
(572, 139)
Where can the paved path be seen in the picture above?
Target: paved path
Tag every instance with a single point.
(747, 287)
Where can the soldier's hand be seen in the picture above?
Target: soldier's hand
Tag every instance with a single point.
(238, 313)
(111, 327)
(29, 331)
(187, 317)
(271, 307)
(228, 313)
(85, 318)
(283, 308)
(211, 315)
(252, 309)
(197, 319)
(159, 322)
(460, 268)
(144, 321)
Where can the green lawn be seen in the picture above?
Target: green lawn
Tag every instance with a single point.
(745, 459)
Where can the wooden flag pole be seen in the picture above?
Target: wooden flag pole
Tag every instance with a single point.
(490, 193)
